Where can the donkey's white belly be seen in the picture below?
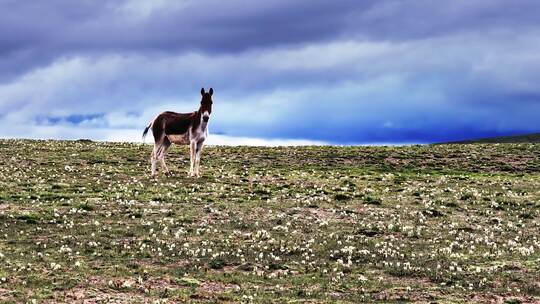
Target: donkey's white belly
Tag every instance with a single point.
(179, 139)
(198, 135)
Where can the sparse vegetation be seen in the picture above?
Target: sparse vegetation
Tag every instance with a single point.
(445, 223)
(525, 138)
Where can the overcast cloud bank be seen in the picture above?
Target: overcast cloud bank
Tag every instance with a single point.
(284, 72)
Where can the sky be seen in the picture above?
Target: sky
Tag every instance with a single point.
(283, 72)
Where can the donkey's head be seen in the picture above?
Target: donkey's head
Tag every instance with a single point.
(206, 104)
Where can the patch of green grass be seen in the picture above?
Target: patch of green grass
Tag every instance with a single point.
(30, 218)
(371, 200)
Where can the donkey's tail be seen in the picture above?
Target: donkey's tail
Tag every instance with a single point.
(146, 130)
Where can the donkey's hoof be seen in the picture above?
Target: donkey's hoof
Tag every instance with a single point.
(168, 173)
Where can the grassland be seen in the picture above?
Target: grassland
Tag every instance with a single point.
(525, 138)
(82, 221)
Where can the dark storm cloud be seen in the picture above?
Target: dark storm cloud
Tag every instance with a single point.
(50, 29)
(207, 25)
(45, 30)
(420, 19)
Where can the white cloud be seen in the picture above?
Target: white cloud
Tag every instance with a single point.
(326, 56)
(224, 140)
(135, 135)
(136, 10)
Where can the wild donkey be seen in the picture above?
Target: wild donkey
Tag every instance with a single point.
(182, 129)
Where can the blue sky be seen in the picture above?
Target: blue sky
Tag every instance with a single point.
(284, 72)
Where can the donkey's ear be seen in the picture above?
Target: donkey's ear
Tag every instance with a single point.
(202, 91)
(211, 92)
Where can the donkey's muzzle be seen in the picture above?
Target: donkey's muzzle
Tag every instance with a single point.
(206, 118)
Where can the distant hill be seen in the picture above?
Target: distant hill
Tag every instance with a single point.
(526, 138)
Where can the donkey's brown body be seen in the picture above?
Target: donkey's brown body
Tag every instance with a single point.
(175, 125)
(182, 129)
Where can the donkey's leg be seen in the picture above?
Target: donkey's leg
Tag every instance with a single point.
(153, 158)
(192, 150)
(166, 144)
(198, 158)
